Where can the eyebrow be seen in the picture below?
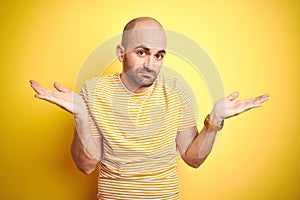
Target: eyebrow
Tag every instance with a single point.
(148, 49)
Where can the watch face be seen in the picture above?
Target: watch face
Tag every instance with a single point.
(211, 126)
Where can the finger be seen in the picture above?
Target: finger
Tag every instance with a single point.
(258, 99)
(60, 87)
(255, 102)
(46, 97)
(265, 97)
(262, 98)
(233, 96)
(37, 87)
(39, 96)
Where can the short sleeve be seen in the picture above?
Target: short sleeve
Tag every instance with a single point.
(187, 117)
(88, 92)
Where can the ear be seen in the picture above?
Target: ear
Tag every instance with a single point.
(120, 52)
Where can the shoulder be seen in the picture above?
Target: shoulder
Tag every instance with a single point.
(96, 81)
(91, 82)
(90, 85)
(94, 84)
(172, 84)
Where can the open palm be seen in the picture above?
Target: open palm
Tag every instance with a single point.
(63, 97)
(229, 107)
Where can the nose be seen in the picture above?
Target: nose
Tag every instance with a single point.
(149, 62)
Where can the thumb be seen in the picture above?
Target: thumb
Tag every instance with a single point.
(233, 96)
(60, 87)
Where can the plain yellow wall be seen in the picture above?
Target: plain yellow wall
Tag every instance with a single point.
(254, 44)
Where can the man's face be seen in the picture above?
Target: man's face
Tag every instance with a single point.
(142, 65)
(144, 52)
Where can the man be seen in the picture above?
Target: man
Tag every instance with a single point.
(132, 124)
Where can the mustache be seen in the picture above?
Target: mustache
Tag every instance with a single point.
(146, 70)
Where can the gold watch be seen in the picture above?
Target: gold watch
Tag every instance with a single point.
(211, 126)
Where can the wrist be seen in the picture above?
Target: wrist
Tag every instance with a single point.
(80, 110)
(215, 118)
(213, 123)
(80, 117)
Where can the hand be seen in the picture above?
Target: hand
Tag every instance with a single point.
(229, 107)
(63, 97)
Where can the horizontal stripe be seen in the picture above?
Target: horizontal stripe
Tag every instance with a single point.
(138, 133)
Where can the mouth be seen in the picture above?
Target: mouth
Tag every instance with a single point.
(147, 75)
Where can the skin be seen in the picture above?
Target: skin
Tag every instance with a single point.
(141, 53)
(142, 62)
(141, 68)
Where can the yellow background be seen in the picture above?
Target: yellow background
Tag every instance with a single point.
(254, 44)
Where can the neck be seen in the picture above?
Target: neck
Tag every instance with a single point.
(131, 86)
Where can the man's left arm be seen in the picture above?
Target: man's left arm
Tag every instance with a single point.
(195, 146)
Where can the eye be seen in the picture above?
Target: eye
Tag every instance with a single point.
(159, 56)
(141, 53)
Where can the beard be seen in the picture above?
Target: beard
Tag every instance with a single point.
(141, 76)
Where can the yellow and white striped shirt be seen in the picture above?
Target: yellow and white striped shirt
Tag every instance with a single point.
(137, 132)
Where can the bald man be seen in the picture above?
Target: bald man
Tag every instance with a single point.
(132, 124)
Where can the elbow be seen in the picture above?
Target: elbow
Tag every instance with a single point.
(84, 163)
(195, 165)
(198, 162)
(87, 169)
(193, 162)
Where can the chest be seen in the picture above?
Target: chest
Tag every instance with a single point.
(138, 124)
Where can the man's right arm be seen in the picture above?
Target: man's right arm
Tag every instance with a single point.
(83, 159)
(85, 150)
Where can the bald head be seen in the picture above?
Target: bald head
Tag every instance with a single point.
(142, 22)
(143, 31)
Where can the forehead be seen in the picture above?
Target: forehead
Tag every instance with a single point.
(152, 38)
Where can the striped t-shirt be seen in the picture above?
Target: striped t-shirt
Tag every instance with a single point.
(137, 132)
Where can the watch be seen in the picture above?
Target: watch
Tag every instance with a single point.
(208, 124)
